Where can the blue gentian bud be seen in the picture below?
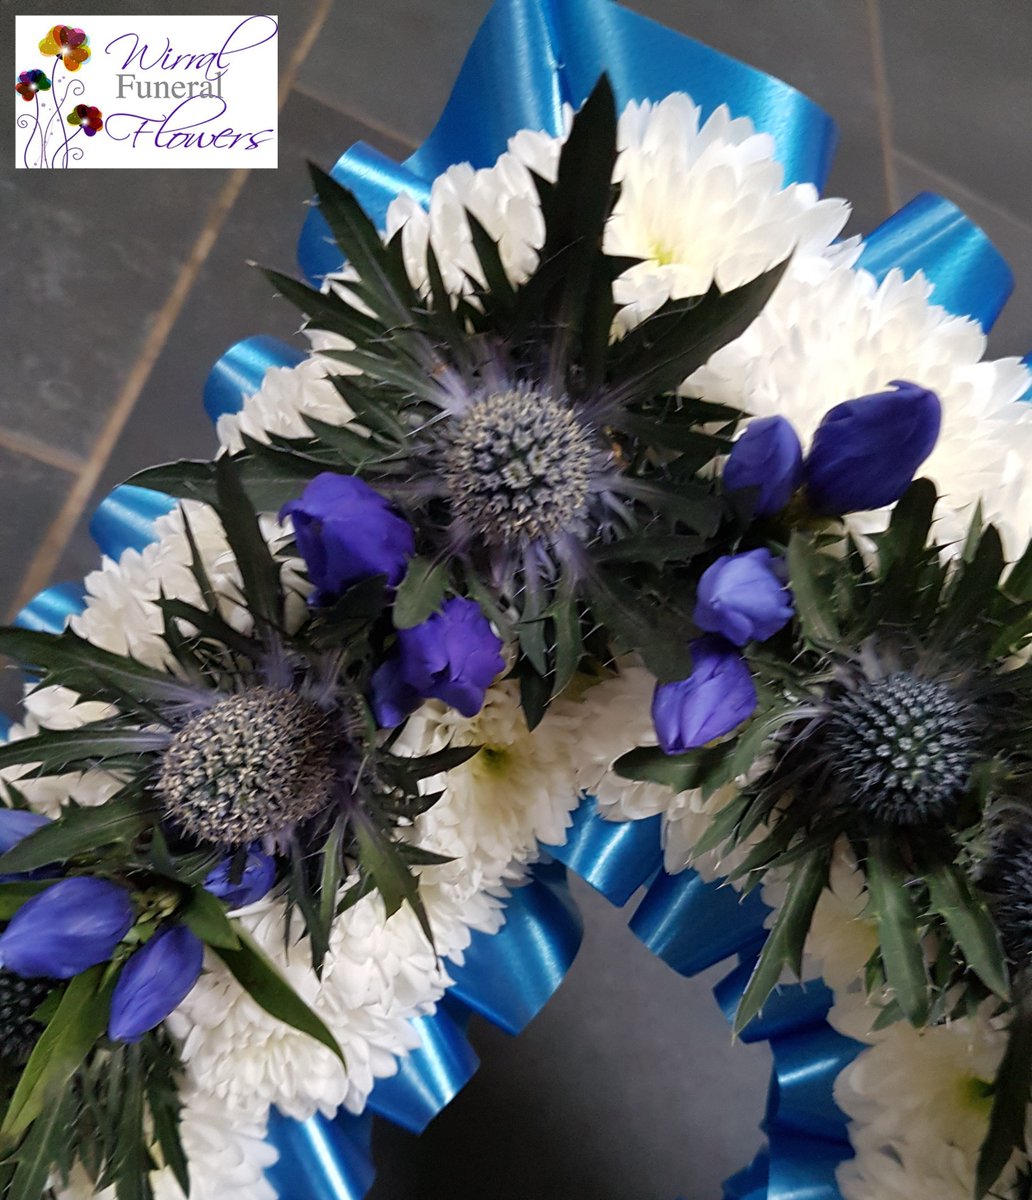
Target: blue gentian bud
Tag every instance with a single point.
(453, 656)
(866, 452)
(716, 698)
(769, 459)
(73, 925)
(16, 824)
(257, 877)
(347, 532)
(743, 597)
(157, 979)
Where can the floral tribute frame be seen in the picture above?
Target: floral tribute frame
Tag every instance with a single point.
(621, 518)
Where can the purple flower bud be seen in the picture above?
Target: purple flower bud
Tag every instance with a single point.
(453, 656)
(73, 925)
(16, 824)
(392, 699)
(157, 978)
(257, 878)
(716, 698)
(866, 452)
(743, 597)
(347, 532)
(768, 458)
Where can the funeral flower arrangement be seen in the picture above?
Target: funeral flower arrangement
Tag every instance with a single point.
(608, 473)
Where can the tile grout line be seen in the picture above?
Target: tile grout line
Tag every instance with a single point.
(954, 185)
(884, 103)
(372, 123)
(31, 447)
(88, 472)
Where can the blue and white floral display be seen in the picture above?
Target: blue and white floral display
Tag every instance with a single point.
(620, 516)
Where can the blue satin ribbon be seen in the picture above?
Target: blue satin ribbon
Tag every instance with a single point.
(615, 857)
(530, 58)
(125, 520)
(692, 924)
(509, 976)
(533, 56)
(320, 1159)
(429, 1077)
(789, 1008)
(240, 371)
(806, 1065)
(52, 609)
(968, 274)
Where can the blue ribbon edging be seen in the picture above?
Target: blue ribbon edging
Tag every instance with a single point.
(549, 53)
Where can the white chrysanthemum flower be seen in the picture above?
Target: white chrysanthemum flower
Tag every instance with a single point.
(924, 1086)
(915, 1171)
(703, 203)
(286, 396)
(834, 333)
(519, 790)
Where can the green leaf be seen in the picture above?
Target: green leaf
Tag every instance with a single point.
(56, 750)
(257, 975)
(396, 884)
(659, 354)
(535, 693)
(384, 278)
(420, 593)
(41, 1149)
(98, 674)
(660, 548)
(80, 1019)
(212, 625)
(82, 830)
(205, 915)
(1011, 1093)
(974, 587)
(972, 927)
(813, 603)
(784, 947)
(569, 646)
(898, 936)
(662, 643)
(324, 310)
(425, 765)
(258, 569)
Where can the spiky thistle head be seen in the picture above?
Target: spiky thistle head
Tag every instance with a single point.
(19, 999)
(249, 765)
(900, 748)
(1008, 880)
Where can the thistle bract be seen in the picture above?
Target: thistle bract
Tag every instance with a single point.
(74, 924)
(157, 979)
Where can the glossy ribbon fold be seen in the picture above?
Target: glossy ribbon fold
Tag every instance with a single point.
(532, 57)
(615, 857)
(968, 274)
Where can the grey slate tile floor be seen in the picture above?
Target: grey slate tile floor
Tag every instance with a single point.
(626, 1087)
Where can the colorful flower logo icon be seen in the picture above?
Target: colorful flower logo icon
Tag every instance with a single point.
(31, 82)
(87, 117)
(69, 44)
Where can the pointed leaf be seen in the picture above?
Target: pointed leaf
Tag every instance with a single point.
(257, 975)
(898, 936)
(972, 927)
(1011, 1093)
(420, 593)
